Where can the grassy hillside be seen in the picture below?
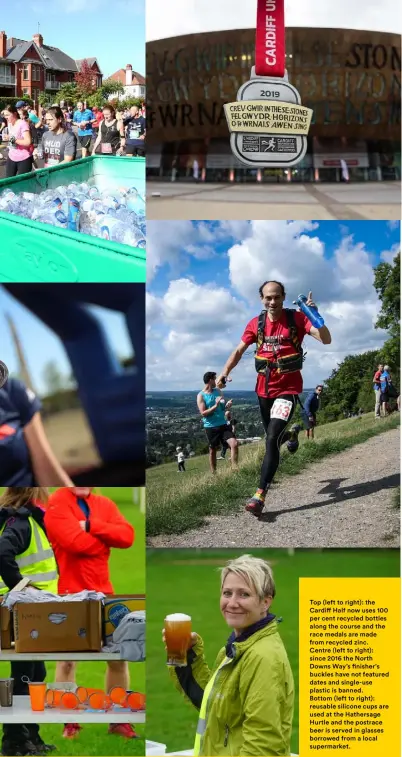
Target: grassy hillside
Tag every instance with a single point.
(177, 502)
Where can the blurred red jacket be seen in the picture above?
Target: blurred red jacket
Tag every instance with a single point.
(82, 556)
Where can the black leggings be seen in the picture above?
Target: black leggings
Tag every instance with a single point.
(275, 435)
(16, 167)
(182, 466)
(14, 733)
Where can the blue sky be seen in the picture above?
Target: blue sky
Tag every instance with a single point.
(114, 33)
(41, 345)
(203, 280)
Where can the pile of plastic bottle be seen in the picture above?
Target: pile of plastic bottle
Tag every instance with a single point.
(118, 215)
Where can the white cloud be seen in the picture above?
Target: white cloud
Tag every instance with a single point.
(166, 243)
(388, 256)
(186, 17)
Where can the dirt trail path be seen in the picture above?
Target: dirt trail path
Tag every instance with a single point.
(346, 500)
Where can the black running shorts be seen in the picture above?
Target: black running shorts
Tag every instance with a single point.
(85, 141)
(219, 434)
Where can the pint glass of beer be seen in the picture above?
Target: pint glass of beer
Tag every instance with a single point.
(178, 637)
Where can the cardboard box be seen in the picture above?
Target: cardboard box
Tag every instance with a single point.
(115, 608)
(6, 618)
(58, 626)
(5, 628)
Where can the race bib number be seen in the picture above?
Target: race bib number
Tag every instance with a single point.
(281, 409)
(134, 134)
(106, 148)
(52, 162)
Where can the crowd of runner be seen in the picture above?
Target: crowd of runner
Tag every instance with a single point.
(55, 135)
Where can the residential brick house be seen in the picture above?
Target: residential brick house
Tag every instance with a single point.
(133, 83)
(31, 67)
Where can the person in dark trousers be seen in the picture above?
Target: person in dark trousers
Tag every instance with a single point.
(23, 540)
(278, 334)
(232, 426)
(311, 407)
(181, 466)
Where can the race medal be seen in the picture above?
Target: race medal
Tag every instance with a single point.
(268, 124)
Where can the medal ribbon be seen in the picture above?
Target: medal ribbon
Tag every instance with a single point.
(270, 38)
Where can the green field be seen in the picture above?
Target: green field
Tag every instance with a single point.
(188, 581)
(127, 570)
(177, 502)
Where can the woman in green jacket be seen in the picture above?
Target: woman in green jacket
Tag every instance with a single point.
(246, 702)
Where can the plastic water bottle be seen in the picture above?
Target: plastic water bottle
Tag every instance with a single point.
(311, 312)
(134, 238)
(73, 214)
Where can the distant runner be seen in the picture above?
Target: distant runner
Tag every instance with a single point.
(278, 333)
(311, 407)
(211, 404)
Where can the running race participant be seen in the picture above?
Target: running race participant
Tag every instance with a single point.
(135, 132)
(110, 139)
(84, 118)
(377, 390)
(278, 334)
(311, 407)
(20, 152)
(59, 145)
(212, 405)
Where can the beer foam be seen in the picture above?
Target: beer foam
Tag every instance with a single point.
(177, 616)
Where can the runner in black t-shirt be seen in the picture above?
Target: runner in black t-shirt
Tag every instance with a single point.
(110, 139)
(135, 132)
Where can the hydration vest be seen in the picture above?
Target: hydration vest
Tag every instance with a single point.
(287, 364)
(38, 562)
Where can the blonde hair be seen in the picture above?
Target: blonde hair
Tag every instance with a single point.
(256, 572)
(19, 496)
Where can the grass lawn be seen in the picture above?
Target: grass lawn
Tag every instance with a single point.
(127, 570)
(188, 581)
(177, 502)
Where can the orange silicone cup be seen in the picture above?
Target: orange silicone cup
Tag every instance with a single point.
(49, 698)
(37, 694)
(69, 701)
(82, 694)
(98, 701)
(118, 695)
(136, 701)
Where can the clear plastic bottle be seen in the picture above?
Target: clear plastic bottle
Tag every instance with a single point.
(73, 214)
(311, 312)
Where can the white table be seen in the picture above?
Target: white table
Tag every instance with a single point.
(10, 655)
(21, 712)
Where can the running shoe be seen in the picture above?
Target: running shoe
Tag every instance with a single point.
(293, 441)
(255, 505)
(25, 749)
(123, 729)
(71, 730)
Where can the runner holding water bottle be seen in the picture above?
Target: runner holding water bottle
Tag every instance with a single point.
(212, 405)
(278, 333)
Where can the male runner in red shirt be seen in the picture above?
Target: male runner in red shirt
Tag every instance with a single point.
(279, 335)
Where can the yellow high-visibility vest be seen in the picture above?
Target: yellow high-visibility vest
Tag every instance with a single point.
(202, 720)
(37, 562)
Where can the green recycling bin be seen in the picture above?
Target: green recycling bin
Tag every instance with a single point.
(31, 251)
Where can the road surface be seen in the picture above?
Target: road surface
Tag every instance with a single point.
(345, 202)
(345, 500)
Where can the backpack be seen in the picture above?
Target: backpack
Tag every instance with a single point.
(288, 364)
